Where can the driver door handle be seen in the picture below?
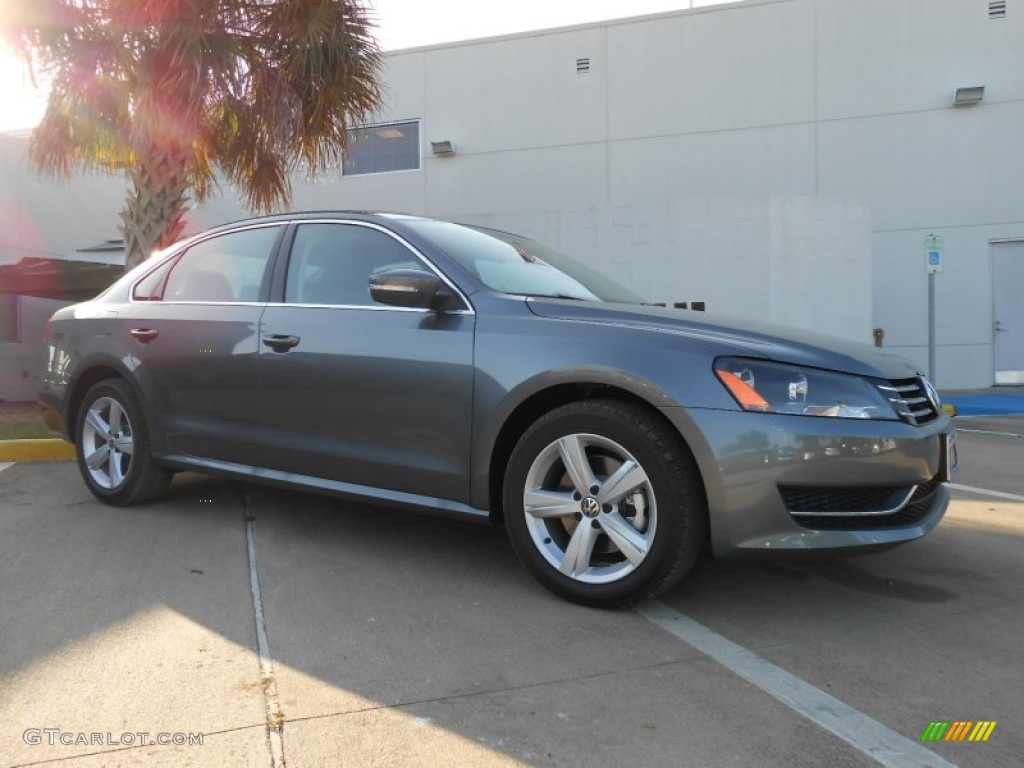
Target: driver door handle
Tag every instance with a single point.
(280, 342)
(145, 335)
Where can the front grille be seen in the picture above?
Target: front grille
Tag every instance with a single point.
(916, 510)
(911, 400)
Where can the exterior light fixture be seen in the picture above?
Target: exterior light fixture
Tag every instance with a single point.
(968, 95)
(442, 148)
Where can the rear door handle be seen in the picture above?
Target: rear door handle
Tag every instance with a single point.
(145, 335)
(279, 342)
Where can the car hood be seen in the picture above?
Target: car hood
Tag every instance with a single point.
(737, 337)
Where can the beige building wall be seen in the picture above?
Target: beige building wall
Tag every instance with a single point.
(774, 158)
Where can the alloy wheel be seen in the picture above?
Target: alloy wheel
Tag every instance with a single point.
(107, 444)
(590, 508)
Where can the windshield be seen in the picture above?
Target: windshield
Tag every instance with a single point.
(513, 264)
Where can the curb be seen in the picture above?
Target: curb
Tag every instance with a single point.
(988, 405)
(36, 450)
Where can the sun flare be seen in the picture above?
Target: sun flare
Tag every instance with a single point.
(23, 104)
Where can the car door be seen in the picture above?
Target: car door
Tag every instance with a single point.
(193, 326)
(360, 392)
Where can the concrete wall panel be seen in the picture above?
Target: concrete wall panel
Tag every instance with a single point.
(948, 167)
(778, 160)
(736, 66)
(881, 57)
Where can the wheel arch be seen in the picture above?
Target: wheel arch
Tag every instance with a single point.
(86, 380)
(547, 399)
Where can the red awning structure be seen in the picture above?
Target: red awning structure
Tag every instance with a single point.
(77, 277)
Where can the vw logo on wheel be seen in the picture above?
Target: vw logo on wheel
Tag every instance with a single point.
(591, 507)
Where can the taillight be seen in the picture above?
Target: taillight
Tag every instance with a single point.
(46, 331)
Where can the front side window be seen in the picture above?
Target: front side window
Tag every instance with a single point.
(332, 263)
(224, 268)
(383, 148)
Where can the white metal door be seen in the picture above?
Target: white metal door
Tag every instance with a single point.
(1008, 311)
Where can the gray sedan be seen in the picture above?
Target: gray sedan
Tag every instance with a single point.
(476, 373)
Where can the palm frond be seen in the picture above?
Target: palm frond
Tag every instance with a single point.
(170, 90)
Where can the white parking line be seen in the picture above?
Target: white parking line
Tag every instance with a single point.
(985, 492)
(988, 432)
(270, 696)
(875, 740)
(6, 465)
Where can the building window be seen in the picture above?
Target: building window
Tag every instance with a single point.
(383, 148)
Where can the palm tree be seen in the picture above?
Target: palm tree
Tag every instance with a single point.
(176, 92)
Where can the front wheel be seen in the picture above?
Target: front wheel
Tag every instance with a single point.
(604, 504)
(113, 447)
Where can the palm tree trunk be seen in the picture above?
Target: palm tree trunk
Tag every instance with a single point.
(154, 209)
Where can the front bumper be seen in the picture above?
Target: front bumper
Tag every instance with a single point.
(792, 484)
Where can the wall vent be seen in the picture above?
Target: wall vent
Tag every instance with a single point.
(582, 66)
(997, 9)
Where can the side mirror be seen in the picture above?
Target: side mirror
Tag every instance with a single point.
(413, 288)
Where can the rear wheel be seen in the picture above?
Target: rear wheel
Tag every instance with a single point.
(113, 447)
(604, 504)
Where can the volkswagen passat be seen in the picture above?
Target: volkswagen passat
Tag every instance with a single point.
(429, 365)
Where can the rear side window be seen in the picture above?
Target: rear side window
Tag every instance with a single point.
(332, 263)
(224, 268)
(151, 287)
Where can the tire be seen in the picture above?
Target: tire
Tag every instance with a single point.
(616, 488)
(113, 447)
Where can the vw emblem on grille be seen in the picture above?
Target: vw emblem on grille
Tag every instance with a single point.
(591, 507)
(933, 393)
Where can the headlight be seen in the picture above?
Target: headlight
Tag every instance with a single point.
(758, 385)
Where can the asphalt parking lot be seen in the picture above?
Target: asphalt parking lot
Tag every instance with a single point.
(381, 638)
